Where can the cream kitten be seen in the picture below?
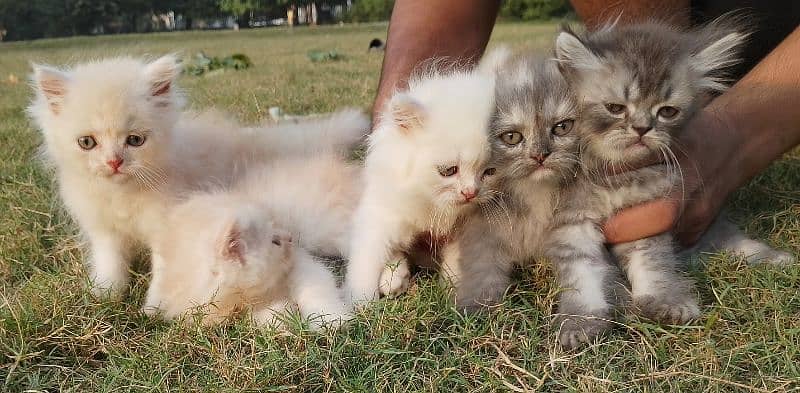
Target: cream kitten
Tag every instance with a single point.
(232, 249)
(426, 161)
(122, 149)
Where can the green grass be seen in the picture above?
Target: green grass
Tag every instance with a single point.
(54, 336)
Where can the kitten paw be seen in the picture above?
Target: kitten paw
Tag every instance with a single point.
(109, 279)
(106, 290)
(272, 316)
(395, 278)
(577, 331)
(771, 257)
(668, 309)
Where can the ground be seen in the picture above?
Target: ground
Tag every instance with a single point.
(54, 336)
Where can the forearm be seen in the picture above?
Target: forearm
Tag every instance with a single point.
(758, 112)
(731, 140)
(596, 13)
(421, 29)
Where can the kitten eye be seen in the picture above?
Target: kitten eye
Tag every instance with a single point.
(87, 142)
(489, 172)
(668, 112)
(511, 138)
(615, 109)
(563, 127)
(135, 140)
(448, 171)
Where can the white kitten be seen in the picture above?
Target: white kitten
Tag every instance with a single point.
(424, 168)
(123, 149)
(231, 249)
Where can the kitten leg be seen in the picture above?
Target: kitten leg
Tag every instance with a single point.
(313, 289)
(271, 314)
(153, 298)
(724, 235)
(374, 241)
(660, 290)
(108, 263)
(396, 276)
(588, 280)
(483, 269)
(450, 269)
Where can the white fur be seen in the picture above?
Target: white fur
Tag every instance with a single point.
(586, 290)
(718, 55)
(309, 200)
(644, 281)
(396, 277)
(494, 60)
(442, 120)
(723, 235)
(113, 98)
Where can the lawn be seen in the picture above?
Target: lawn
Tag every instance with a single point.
(55, 336)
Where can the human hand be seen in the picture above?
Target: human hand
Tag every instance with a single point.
(703, 151)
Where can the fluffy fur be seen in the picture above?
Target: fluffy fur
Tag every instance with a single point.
(534, 138)
(424, 169)
(140, 150)
(249, 247)
(639, 85)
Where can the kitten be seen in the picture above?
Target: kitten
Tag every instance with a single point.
(123, 149)
(250, 246)
(534, 139)
(639, 85)
(424, 169)
(724, 236)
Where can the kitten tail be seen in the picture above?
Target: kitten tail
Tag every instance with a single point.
(338, 132)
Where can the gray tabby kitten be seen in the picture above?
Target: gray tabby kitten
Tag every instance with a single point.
(639, 85)
(534, 142)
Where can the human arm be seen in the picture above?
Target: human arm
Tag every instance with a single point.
(421, 29)
(730, 141)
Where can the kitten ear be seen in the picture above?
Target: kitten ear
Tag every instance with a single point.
(232, 246)
(51, 84)
(573, 53)
(406, 113)
(711, 59)
(161, 75)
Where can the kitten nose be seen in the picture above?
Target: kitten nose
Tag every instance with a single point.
(541, 156)
(642, 130)
(115, 164)
(469, 194)
(281, 238)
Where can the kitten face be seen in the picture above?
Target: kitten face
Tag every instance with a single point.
(230, 246)
(640, 84)
(455, 173)
(253, 253)
(443, 141)
(108, 120)
(534, 132)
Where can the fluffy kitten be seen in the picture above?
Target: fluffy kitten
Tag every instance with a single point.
(122, 148)
(424, 168)
(639, 85)
(250, 246)
(534, 141)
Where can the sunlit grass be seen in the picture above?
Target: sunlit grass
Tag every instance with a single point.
(55, 336)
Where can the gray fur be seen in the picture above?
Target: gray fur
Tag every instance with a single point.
(723, 235)
(643, 68)
(531, 98)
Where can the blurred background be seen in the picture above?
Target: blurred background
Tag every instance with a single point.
(32, 19)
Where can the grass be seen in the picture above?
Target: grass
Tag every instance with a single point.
(54, 336)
